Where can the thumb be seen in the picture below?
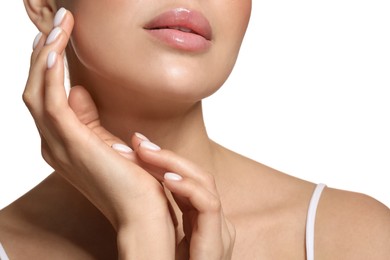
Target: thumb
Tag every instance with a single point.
(82, 105)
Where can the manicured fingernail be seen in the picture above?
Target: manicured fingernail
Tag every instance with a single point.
(36, 40)
(150, 146)
(122, 148)
(141, 136)
(59, 16)
(172, 176)
(53, 35)
(51, 59)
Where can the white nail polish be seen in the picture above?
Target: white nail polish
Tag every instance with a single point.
(150, 146)
(36, 40)
(141, 136)
(51, 59)
(59, 16)
(121, 148)
(53, 35)
(172, 176)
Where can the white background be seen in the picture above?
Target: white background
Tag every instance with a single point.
(310, 96)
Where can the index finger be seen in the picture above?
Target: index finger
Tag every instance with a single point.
(63, 19)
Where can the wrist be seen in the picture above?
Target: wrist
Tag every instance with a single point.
(147, 239)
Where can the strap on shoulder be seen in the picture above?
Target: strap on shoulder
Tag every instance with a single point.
(310, 221)
(3, 255)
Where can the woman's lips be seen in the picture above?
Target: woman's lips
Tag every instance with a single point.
(182, 29)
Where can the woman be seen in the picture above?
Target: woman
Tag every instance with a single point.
(105, 199)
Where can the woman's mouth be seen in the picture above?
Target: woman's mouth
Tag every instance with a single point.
(181, 29)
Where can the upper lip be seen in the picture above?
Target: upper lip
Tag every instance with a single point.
(182, 19)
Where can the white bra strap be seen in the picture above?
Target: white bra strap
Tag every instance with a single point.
(3, 255)
(310, 222)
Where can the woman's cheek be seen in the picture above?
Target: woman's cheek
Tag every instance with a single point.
(151, 68)
(117, 50)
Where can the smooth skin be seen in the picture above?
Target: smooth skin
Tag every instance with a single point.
(97, 168)
(103, 202)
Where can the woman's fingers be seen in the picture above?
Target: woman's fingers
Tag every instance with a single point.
(200, 198)
(195, 192)
(55, 100)
(36, 91)
(45, 94)
(83, 106)
(46, 97)
(210, 234)
(171, 162)
(195, 184)
(56, 41)
(62, 19)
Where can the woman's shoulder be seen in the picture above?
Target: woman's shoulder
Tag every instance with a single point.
(348, 225)
(54, 221)
(351, 225)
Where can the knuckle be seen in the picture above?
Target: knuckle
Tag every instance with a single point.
(30, 102)
(214, 204)
(28, 99)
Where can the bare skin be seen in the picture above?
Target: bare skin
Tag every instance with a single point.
(267, 208)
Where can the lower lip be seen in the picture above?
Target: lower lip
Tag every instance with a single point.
(180, 40)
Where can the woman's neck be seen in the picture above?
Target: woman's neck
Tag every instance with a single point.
(181, 129)
(184, 133)
(172, 122)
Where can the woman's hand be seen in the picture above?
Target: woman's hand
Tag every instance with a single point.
(208, 234)
(76, 145)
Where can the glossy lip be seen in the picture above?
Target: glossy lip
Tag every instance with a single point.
(182, 28)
